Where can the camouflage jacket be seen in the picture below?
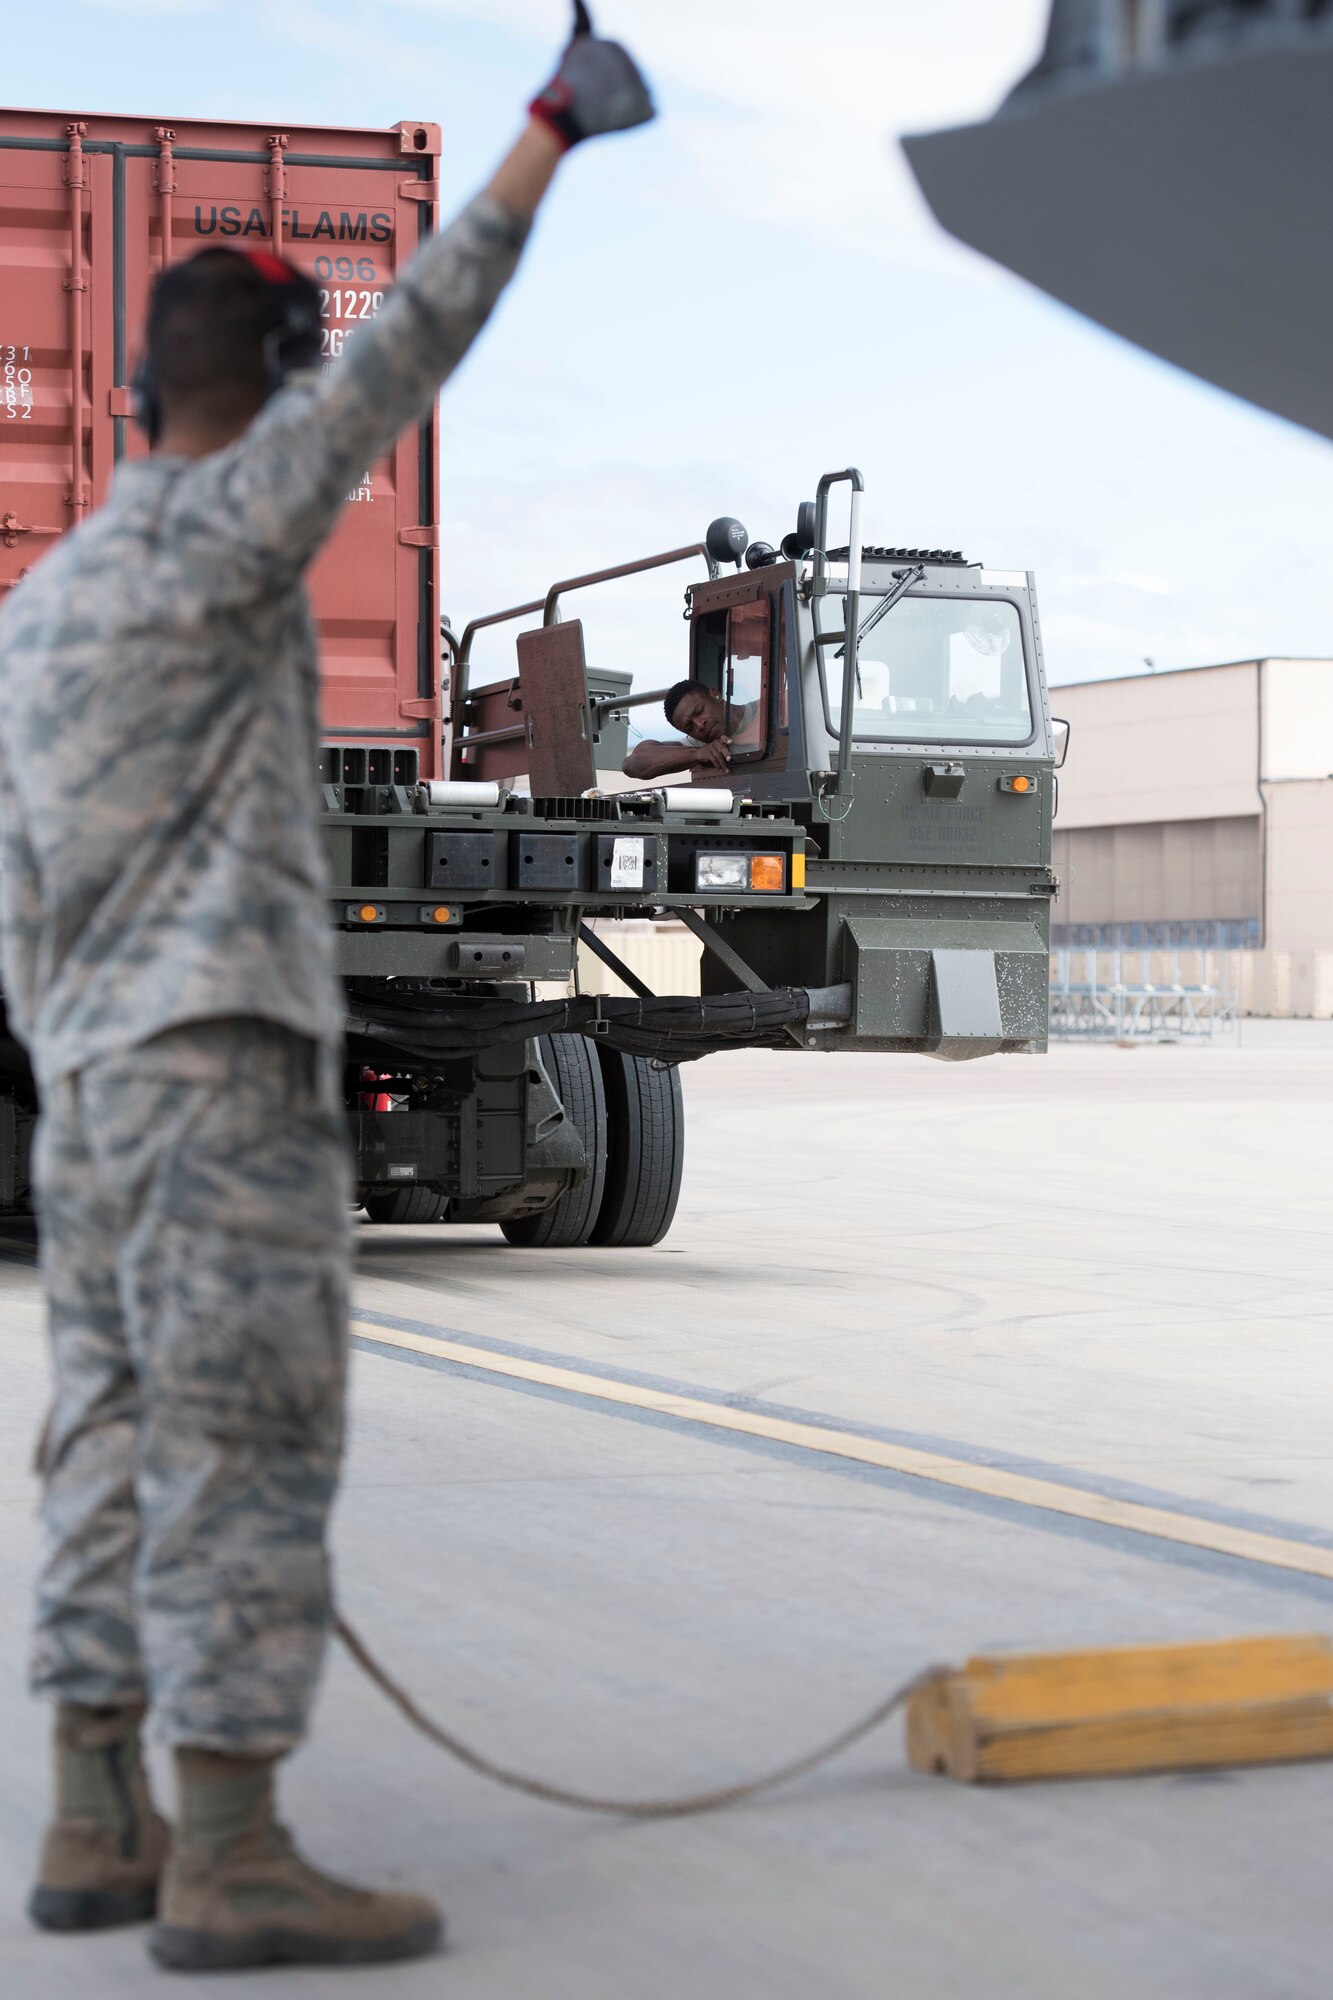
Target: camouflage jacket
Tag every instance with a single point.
(159, 702)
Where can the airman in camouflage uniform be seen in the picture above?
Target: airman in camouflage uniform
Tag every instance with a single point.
(163, 874)
(167, 960)
(163, 871)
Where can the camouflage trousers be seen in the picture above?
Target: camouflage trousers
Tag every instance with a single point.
(194, 1203)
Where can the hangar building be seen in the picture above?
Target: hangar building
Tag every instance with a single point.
(1196, 811)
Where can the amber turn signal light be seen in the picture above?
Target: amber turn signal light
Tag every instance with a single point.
(767, 871)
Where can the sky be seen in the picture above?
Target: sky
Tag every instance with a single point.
(718, 308)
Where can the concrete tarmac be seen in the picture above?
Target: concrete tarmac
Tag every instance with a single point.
(1107, 1267)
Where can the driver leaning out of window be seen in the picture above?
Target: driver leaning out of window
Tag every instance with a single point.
(716, 729)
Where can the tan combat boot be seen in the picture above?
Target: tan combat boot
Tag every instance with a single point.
(235, 1892)
(104, 1850)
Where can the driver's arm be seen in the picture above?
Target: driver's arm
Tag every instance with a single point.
(658, 760)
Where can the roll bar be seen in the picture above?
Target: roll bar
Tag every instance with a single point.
(549, 606)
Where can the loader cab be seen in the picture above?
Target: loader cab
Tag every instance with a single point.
(950, 758)
(909, 736)
(953, 668)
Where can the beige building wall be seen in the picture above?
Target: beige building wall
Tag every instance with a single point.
(1159, 747)
(1300, 865)
(1162, 810)
(1159, 872)
(665, 956)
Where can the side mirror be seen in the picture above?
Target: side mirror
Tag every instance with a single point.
(726, 540)
(1060, 732)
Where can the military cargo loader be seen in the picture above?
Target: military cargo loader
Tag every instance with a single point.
(872, 871)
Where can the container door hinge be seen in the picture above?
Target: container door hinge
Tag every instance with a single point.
(420, 538)
(120, 402)
(418, 190)
(420, 710)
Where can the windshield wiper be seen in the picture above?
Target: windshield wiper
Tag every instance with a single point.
(901, 585)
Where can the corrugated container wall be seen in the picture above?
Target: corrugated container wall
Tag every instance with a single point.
(90, 209)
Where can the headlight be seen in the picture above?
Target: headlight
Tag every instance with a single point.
(766, 873)
(722, 871)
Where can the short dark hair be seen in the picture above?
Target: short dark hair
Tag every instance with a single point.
(675, 695)
(208, 320)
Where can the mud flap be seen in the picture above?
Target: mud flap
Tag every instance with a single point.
(964, 1004)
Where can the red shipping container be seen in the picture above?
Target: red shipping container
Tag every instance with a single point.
(90, 209)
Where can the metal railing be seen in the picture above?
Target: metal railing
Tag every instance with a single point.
(1160, 996)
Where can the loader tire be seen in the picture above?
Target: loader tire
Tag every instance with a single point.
(645, 1117)
(406, 1204)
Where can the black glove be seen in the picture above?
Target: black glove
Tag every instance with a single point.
(596, 88)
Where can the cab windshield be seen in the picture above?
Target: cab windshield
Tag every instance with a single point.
(932, 670)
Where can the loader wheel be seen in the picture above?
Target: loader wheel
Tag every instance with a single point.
(574, 1072)
(406, 1204)
(645, 1118)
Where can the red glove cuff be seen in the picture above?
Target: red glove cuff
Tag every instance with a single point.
(554, 106)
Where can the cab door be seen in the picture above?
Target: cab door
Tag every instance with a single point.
(738, 655)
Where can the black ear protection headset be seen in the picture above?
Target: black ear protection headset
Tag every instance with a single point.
(291, 340)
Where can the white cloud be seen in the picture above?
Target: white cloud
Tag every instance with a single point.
(183, 9)
(785, 115)
(323, 32)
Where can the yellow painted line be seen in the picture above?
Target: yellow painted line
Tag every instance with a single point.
(1022, 1490)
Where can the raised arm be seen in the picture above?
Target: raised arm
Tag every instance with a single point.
(280, 488)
